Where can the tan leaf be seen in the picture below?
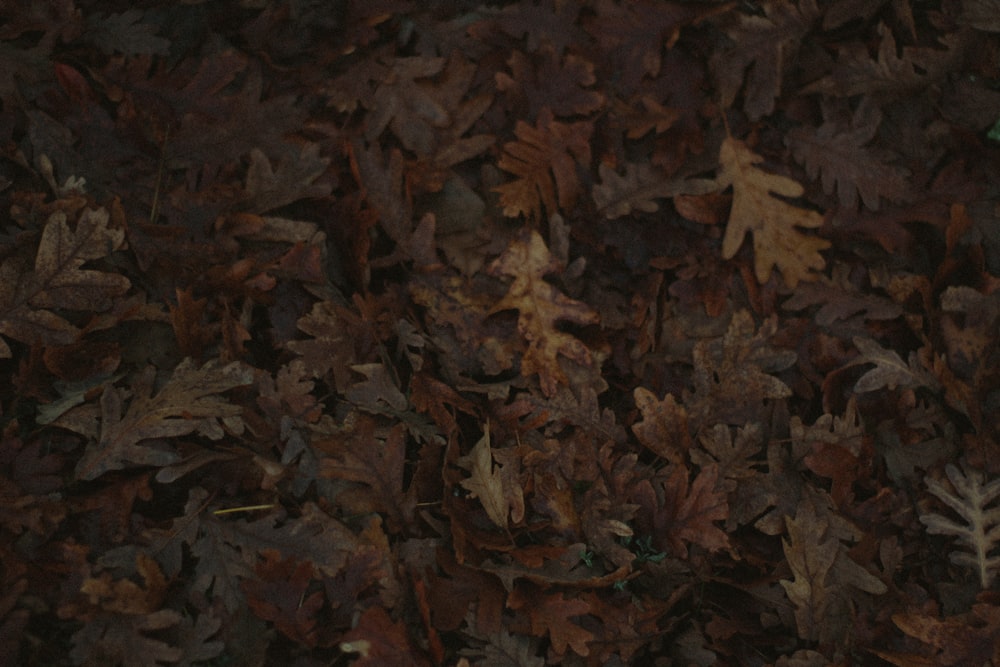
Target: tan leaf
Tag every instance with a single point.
(541, 305)
(773, 222)
(496, 487)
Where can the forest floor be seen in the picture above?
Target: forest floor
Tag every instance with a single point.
(572, 332)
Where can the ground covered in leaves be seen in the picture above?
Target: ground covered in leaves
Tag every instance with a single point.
(575, 332)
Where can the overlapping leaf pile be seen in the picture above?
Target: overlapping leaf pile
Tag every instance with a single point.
(573, 332)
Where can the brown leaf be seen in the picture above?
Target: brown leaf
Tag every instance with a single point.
(551, 614)
(188, 403)
(541, 152)
(664, 426)
(58, 281)
(279, 594)
(679, 515)
(559, 84)
(378, 641)
(762, 45)
(837, 153)
(378, 463)
(124, 596)
(895, 72)
(407, 103)
(890, 369)
(268, 189)
(120, 640)
(826, 578)
(618, 196)
(331, 348)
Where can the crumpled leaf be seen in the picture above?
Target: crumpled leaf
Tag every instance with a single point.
(497, 487)
(773, 222)
(188, 403)
(541, 305)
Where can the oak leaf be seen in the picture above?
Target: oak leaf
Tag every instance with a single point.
(496, 486)
(981, 14)
(330, 349)
(544, 159)
(980, 532)
(682, 513)
(825, 578)
(836, 152)
(771, 220)
(552, 614)
(57, 281)
(378, 640)
(560, 84)
(268, 188)
(376, 463)
(841, 299)
(966, 639)
(617, 196)
(189, 402)
(732, 376)
(118, 639)
(894, 71)
(279, 594)
(890, 369)
(541, 306)
(125, 33)
(762, 45)
(407, 102)
(664, 426)
(633, 34)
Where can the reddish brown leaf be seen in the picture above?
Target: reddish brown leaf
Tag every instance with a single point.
(279, 595)
(552, 614)
(378, 640)
(550, 149)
